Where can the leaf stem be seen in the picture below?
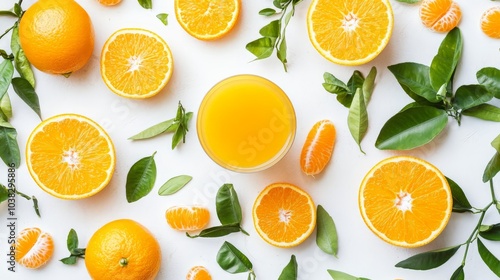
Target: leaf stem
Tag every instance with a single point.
(492, 190)
(7, 31)
(475, 232)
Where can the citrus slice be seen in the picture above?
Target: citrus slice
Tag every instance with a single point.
(318, 147)
(284, 215)
(70, 156)
(187, 218)
(440, 15)
(350, 32)
(490, 22)
(34, 248)
(136, 63)
(198, 273)
(207, 19)
(110, 2)
(405, 201)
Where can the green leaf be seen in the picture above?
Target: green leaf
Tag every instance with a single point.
(339, 275)
(6, 107)
(460, 202)
(69, 260)
(141, 178)
(261, 48)
(357, 120)
(146, 4)
(153, 131)
(72, 240)
(281, 52)
(174, 184)
(415, 81)
(492, 168)
(489, 259)
(485, 112)
(326, 232)
(233, 260)
(217, 231)
(8, 13)
(334, 85)
(496, 143)
(356, 81)
(25, 90)
(6, 73)
(489, 77)
(429, 260)
(369, 84)
(445, 62)
(227, 205)
(267, 12)
(4, 193)
(290, 272)
(411, 128)
(163, 17)
(23, 66)
(490, 232)
(271, 29)
(9, 148)
(469, 96)
(458, 274)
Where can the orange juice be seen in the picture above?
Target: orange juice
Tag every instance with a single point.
(246, 123)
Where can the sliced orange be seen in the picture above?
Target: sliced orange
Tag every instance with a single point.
(136, 63)
(490, 22)
(318, 147)
(284, 215)
(198, 273)
(207, 19)
(109, 2)
(34, 248)
(70, 156)
(187, 218)
(440, 15)
(350, 32)
(405, 201)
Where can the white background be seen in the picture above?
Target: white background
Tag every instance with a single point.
(461, 152)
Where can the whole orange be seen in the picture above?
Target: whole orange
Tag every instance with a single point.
(57, 36)
(123, 249)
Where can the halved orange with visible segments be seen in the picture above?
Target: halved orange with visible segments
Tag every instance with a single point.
(284, 215)
(187, 218)
(440, 15)
(318, 147)
(70, 156)
(405, 201)
(34, 248)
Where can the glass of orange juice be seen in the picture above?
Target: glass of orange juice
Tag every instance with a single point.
(246, 123)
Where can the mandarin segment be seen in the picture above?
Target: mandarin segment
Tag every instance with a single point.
(284, 215)
(198, 273)
(440, 15)
(207, 19)
(110, 2)
(318, 147)
(70, 156)
(405, 201)
(136, 63)
(350, 32)
(490, 22)
(187, 218)
(34, 248)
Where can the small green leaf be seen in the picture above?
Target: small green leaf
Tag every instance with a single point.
(233, 260)
(334, 85)
(4, 193)
(163, 17)
(326, 232)
(267, 12)
(21, 62)
(271, 29)
(261, 48)
(6, 73)
(445, 62)
(25, 90)
(490, 232)
(357, 119)
(153, 131)
(369, 84)
(72, 245)
(8, 13)
(496, 143)
(489, 259)
(174, 184)
(290, 272)
(339, 275)
(460, 201)
(146, 4)
(227, 205)
(9, 149)
(217, 231)
(429, 260)
(69, 260)
(72, 240)
(489, 77)
(411, 128)
(492, 168)
(469, 96)
(141, 178)
(458, 274)
(356, 81)
(415, 81)
(281, 52)
(485, 112)
(6, 107)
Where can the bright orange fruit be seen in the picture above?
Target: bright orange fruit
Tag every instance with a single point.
(318, 147)
(405, 201)
(284, 215)
(187, 218)
(440, 15)
(198, 273)
(490, 22)
(207, 19)
(34, 248)
(109, 2)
